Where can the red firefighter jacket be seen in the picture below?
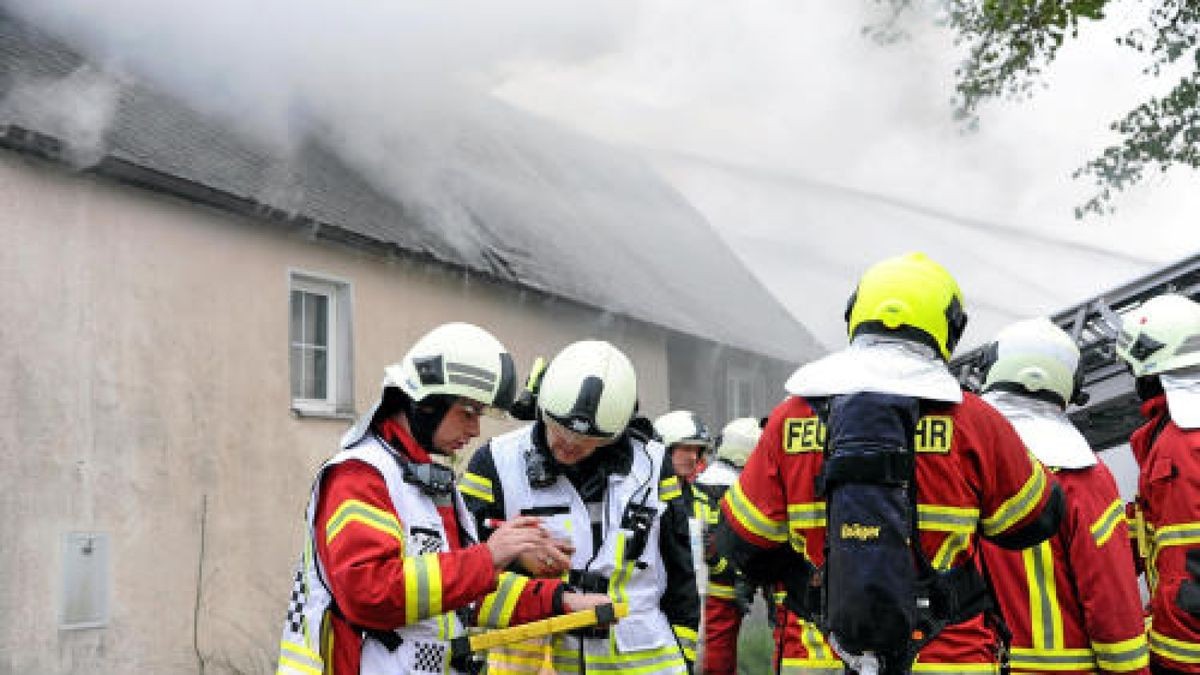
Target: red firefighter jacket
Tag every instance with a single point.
(1169, 498)
(1072, 602)
(973, 475)
(364, 559)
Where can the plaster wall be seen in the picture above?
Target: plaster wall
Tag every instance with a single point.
(144, 349)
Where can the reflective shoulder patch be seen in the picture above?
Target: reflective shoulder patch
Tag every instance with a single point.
(803, 434)
(668, 489)
(935, 433)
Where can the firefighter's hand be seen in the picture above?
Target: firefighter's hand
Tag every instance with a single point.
(519, 536)
(547, 561)
(578, 602)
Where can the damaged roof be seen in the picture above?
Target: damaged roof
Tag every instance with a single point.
(604, 230)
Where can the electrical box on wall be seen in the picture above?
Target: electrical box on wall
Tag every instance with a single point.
(85, 572)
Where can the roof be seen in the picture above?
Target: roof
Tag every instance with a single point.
(604, 230)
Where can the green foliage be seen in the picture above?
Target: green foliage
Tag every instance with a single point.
(1010, 43)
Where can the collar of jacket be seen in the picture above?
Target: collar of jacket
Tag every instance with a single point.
(396, 436)
(1183, 397)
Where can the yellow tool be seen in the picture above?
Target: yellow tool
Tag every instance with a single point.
(598, 616)
(1143, 539)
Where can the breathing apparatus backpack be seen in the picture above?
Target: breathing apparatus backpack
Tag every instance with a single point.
(880, 596)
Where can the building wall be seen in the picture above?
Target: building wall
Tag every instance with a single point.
(144, 348)
(700, 376)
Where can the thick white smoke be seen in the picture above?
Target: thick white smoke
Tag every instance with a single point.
(810, 148)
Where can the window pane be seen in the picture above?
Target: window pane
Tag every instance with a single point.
(320, 372)
(297, 318)
(295, 359)
(316, 309)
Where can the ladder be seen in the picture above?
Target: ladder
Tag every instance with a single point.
(1111, 412)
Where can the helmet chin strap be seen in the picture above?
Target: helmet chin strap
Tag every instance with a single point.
(424, 417)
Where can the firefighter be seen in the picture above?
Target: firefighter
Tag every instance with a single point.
(729, 594)
(612, 493)
(971, 472)
(1072, 602)
(688, 441)
(1160, 342)
(391, 571)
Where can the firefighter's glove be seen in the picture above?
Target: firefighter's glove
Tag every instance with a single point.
(743, 594)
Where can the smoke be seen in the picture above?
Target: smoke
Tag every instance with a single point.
(811, 149)
(815, 151)
(75, 109)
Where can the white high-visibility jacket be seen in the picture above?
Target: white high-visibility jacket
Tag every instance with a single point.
(644, 641)
(424, 646)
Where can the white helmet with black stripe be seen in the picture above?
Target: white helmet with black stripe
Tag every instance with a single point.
(1161, 336)
(456, 359)
(590, 388)
(453, 360)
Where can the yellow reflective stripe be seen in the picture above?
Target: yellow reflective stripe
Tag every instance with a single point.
(1045, 660)
(422, 587)
(356, 511)
(799, 544)
(815, 645)
(477, 486)
(497, 608)
(955, 543)
(719, 566)
(1045, 614)
(687, 641)
(954, 668)
(1106, 524)
(1016, 508)
(621, 571)
(807, 515)
(294, 658)
(720, 591)
(662, 660)
(1123, 656)
(1171, 648)
(668, 489)
(811, 667)
(752, 519)
(1179, 534)
(947, 518)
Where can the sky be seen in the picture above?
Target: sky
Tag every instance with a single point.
(811, 150)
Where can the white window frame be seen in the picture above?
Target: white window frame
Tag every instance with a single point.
(736, 376)
(339, 391)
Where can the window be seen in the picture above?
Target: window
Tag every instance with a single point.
(319, 346)
(741, 396)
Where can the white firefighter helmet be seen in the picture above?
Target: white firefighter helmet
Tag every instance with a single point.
(1035, 356)
(454, 359)
(737, 440)
(682, 427)
(590, 388)
(1162, 335)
